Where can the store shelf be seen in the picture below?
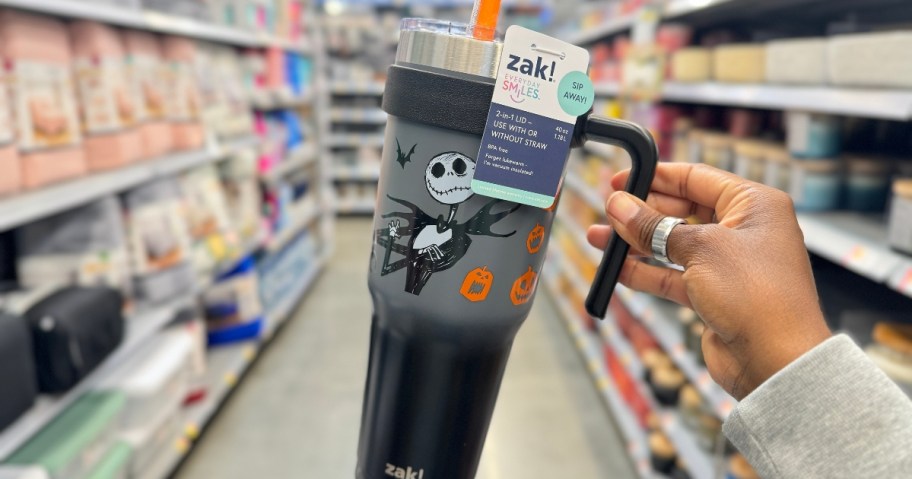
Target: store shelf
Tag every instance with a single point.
(590, 350)
(607, 89)
(679, 8)
(861, 102)
(140, 327)
(369, 88)
(356, 140)
(167, 459)
(32, 205)
(156, 22)
(298, 159)
(224, 367)
(280, 100)
(227, 364)
(282, 312)
(356, 174)
(859, 243)
(586, 192)
(698, 461)
(358, 115)
(302, 219)
(363, 206)
(609, 27)
(622, 23)
(579, 234)
(660, 317)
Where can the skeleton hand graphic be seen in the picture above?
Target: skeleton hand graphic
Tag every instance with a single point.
(394, 229)
(433, 252)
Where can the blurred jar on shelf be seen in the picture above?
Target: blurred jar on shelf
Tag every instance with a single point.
(692, 406)
(891, 351)
(816, 184)
(708, 431)
(680, 140)
(691, 65)
(812, 135)
(662, 454)
(666, 384)
(868, 183)
(750, 159)
(694, 341)
(900, 227)
(778, 165)
(739, 63)
(739, 468)
(717, 151)
(653, 358)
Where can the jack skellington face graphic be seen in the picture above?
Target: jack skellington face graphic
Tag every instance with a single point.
(436, 244)
(449, 178)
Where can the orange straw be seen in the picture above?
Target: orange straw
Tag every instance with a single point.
(484, 19)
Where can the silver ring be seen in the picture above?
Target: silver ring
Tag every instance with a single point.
(660, 237)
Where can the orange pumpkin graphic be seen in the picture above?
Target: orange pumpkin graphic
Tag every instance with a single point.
(536, 239)
(477, 284)
(524, 288)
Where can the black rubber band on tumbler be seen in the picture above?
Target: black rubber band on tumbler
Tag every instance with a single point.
(443, 101)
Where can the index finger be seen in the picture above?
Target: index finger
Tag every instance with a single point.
(702, 184)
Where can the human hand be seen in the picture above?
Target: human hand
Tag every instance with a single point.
(746, 269)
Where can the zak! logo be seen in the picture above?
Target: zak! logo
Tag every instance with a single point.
(407, 473)
(527, 83)
(537, 69)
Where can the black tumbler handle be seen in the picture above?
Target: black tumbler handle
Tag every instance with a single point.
(644, 157)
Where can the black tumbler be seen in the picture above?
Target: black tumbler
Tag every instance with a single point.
(453, 274)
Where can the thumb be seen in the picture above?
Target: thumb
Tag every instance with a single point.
(635, 222)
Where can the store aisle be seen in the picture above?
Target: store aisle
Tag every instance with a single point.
(296, 414)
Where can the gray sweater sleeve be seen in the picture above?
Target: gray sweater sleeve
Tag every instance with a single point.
(831, 414)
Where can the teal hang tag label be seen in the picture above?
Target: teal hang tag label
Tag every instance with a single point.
(541, 89)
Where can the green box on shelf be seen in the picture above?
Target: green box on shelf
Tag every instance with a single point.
(64, 446)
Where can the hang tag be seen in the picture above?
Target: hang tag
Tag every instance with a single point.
(541, 89)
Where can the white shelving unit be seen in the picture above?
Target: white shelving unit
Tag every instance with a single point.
(622, 23)
(281, 313)
(141, 325)
(358, 115)
(858, 243)
(860, 102)
(586, 192)
(308, 213)
(226, 364)
(698, 461)
(280, 101)
(298, 159)
(356, 140)
(609, 27)
(143, 19)
(359, 206)
(588, 346)
(660, 318)
(31, 205)
(357, 88)
(356, 174)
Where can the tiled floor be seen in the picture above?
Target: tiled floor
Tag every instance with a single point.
(296, 414)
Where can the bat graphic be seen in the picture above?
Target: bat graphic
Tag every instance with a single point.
(403, 159)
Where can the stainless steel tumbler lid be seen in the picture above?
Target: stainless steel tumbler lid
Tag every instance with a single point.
(448, 46)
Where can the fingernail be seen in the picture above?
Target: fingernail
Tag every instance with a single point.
(621, 207)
